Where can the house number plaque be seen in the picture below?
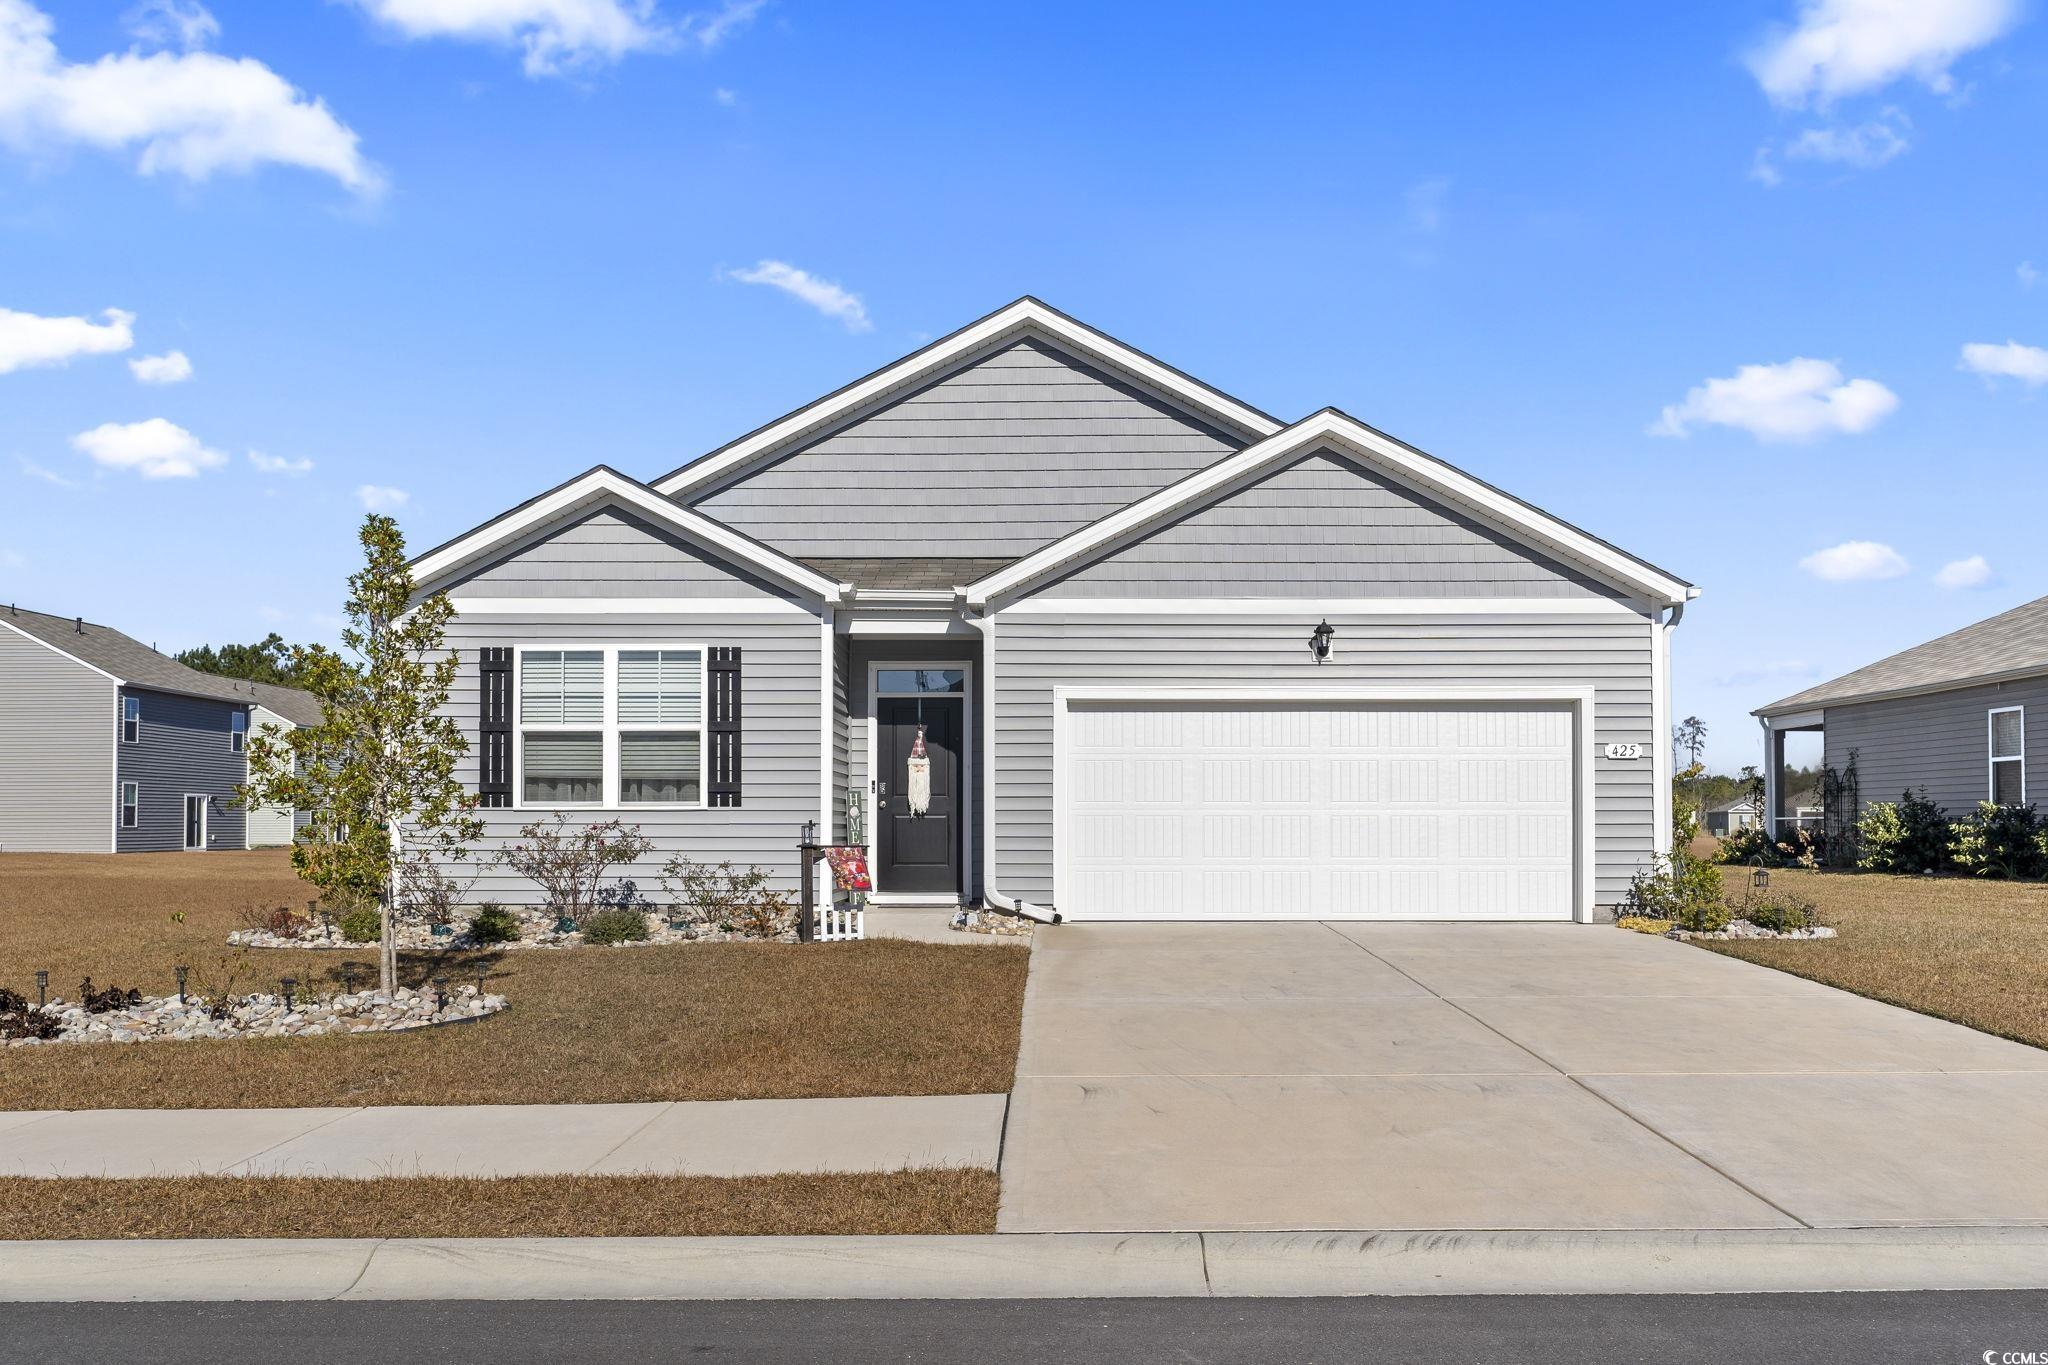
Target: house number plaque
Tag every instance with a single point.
(1624, 751)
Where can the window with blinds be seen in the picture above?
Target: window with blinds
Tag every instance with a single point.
(612, 726)
(2009, 756)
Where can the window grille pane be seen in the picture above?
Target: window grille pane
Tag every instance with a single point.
(564, 768)
(2005, 782)
(660, 687)
(920, 680)
(2005, 734)
(561, 687)
(660, 768)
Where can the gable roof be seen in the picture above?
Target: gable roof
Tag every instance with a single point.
(1026, 315)
(602, 485)
(905, 573)
(2011, 644)
(1349, 436)
(132, 663)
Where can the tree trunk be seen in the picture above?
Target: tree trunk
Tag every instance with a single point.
(387, 947)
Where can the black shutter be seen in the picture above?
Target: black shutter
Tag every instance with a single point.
(723, 727)
(494, 728)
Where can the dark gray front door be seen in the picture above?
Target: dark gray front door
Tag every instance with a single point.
(918, 852)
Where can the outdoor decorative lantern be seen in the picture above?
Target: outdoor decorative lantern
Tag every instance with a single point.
(181, 983)
(1319, 641)
(42, 989)
(288, 984)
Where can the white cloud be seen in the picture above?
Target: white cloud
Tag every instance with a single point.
(172, 23)
(1855, 561)
(49, 476)
(1796, 401)
(2029, 276)
(279, 464)
(377, 497)
(556, 35)
(823, 295)
(1843, 47)
(155, 449)
(26, 339)
(1865, 145)
(1973, 572)
(707, 31)
(189, 113)
(2028, 364)
(725, 97)
(172, 367)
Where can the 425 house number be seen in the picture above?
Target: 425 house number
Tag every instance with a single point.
(1623, 751)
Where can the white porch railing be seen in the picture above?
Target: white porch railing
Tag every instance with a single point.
(841, 923)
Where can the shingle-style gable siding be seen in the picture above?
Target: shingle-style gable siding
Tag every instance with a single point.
(1325, 526)
(610, 553)
(56, 751)
(1015, 449)
(185, 746)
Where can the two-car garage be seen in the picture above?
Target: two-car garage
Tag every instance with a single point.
(1241, 807)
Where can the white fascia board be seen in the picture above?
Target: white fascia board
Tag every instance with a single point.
(1354, 438)
(65, 654)
(627, 606)
(601, 484)
(912, 368)
(1350, 607)
(1797, 720)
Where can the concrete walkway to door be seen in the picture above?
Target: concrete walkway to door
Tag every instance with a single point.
(1463, 1076)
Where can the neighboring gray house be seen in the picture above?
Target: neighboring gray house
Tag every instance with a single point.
(107, 746)
(1168, 656)
(1745, 812)
(1949, 716)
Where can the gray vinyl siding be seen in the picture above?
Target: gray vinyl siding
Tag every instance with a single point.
(57, 721)
(842, 737)
(866, 652)
(1940, 742)
(609, 553)
(780, 739)
(185, 747)
(1326, 526)
(1037, 653)
(1003, 454)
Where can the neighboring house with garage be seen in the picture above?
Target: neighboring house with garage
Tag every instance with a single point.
(107, 746)
(1948, 717)
(1167, 656)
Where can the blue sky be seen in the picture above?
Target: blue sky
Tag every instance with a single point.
(461, 249)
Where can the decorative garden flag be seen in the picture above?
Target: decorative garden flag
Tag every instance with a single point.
(919, 788)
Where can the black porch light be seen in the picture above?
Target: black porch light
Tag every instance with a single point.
(1319, 640)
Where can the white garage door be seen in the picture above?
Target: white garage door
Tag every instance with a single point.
(1234, 810)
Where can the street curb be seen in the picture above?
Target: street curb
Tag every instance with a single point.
(1041, 1266)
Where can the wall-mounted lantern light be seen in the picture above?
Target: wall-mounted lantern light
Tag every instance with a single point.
(1319, 641)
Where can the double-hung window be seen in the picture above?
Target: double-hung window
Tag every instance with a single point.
(131, 719)
(131, 805)
(238, 731)
(613, 725)
(2008, 739)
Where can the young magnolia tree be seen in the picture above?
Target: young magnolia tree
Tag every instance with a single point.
(383, 757)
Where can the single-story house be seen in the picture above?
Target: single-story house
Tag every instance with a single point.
(1050, 625)
(107, 746)
(1948, 717)
(1744, 812)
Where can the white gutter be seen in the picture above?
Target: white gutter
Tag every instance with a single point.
(1663, 757)
(1044, 914)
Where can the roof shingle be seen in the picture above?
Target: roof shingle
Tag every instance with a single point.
(137, 665)
(2012, 642)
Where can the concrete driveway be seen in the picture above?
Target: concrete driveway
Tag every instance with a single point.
(1353, 1076)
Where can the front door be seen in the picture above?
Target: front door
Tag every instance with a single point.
(195, 822)
(918, 853)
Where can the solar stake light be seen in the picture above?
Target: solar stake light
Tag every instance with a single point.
(182, 970)
(440, 994)
(289, 984)
(42, 989)
(481, 969)
(348, 977)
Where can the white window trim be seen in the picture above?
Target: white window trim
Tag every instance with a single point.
(205, 819)
(126, 702)
(238, 735)
(609, 728)
(1992, 758)
(122, 806)
(881, 895)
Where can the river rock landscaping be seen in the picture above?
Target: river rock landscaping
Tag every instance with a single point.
(535, 929)
(168, 1019)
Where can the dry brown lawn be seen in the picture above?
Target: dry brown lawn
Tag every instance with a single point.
(1972, 951)
(692, 1022)
(923, 1202)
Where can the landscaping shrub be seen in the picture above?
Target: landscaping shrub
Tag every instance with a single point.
(1998, 841)
(19, 1019)
(1781, 914)
(570, 865)
(426, 893)
(493, 923)
(607, 928)
(1642, 924)
(108, 1000)
(281, 920)
(722, 896)
(361, 924)
(1911, 836)
(1684, 890)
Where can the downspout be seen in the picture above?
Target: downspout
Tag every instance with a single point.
(1664, 756)
(985, 623)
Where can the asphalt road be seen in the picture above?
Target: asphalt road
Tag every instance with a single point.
(1725, 1329)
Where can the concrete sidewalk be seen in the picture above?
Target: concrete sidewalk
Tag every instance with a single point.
(1057, 1266)
(709, 1137)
